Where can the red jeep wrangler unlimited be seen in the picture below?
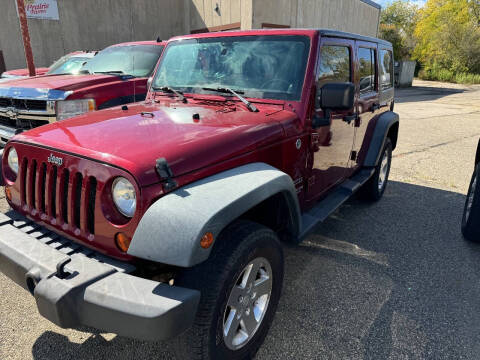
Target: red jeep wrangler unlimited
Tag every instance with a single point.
(163, 219)
(116, 75)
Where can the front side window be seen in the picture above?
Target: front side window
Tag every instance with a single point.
(266, 67)
(366, 59)
(135, 60)
(386, 69)
(334, 64)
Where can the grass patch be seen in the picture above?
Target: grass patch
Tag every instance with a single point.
(449, 76)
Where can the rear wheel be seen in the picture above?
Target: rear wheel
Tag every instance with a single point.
(240, 286)
(471, 210)
(375, 187)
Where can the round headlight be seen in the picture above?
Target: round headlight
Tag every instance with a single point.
(124, 196)
(13, 160)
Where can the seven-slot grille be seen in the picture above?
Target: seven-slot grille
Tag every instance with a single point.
(24, 104)
(55, 192)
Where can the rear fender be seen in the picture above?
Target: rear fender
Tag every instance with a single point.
(384, 123)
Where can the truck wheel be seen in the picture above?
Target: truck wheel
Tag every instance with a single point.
(376, 185)
(240, 286)
(471, 210)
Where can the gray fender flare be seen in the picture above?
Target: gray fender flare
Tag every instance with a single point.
(170, 230)
(383, 125)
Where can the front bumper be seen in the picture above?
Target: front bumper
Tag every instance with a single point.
(75, 286)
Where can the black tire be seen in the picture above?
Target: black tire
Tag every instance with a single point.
(237, 246)
(371, 190)
(471, 210)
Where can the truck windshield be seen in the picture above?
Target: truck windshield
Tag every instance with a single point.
(266, 67)
(135, 60)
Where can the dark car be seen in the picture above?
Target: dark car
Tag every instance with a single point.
(471, 211)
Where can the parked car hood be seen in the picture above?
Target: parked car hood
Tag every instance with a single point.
(130, 140)
(61, 82)
(24, 72)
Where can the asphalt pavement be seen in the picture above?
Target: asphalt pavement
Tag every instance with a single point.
(390, 280)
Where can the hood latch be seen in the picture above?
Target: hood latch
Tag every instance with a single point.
(165, 173)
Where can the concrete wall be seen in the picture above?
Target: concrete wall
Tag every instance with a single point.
(95, 24)
(346, 15)
(88, 25)
(203, 15)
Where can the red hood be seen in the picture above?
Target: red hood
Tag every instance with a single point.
(62, 82)
(134, 142)
(24, 72)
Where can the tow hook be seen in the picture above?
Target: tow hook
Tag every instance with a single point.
(32, 278)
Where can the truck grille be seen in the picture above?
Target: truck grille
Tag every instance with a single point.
(68, 197)
(21, 123)
(24, 104)
(6, 121)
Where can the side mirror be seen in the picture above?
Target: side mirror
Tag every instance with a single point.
(333, 97)
(149, 82)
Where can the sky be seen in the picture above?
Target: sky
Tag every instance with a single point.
(386, 2)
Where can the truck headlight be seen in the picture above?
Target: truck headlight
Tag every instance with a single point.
(124, 196)
(70, 108)
(13, 160)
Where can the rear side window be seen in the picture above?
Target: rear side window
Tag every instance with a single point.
(386, 69)
(334, 64)
(366, 59)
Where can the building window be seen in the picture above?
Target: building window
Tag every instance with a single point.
(334, 64)
(386, 69)
(366, 59)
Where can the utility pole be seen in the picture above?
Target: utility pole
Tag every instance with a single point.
(22, 15)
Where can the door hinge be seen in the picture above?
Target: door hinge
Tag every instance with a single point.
(353, 155)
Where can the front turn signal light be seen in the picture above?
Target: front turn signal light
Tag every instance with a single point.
(122, 241)
(207, 240)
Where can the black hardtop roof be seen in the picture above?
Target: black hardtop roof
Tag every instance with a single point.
(341, 34)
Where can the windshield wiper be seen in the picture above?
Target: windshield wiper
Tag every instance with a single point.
(115, 73)
(237, 93)
(172, 91)
(119, 72)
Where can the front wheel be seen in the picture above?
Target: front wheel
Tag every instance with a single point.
(471, 210)
(240, 287)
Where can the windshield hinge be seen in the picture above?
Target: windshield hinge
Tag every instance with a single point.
(165, 173)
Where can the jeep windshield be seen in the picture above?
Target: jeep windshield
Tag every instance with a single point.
(265, 67)
(134, 60)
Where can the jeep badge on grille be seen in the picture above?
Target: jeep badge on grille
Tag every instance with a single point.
(55, 160)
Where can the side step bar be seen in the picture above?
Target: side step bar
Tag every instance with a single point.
(327, 206)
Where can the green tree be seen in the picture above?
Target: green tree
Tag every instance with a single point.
(448, 36)
(397, 25)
